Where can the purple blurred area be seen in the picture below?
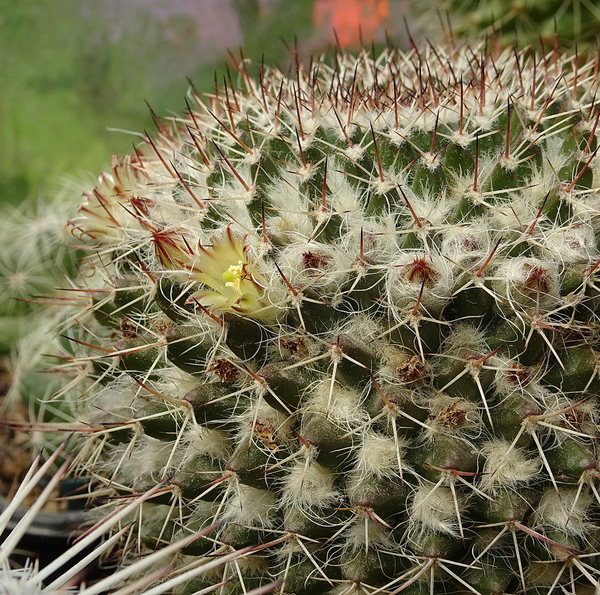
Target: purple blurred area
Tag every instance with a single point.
(186, 31)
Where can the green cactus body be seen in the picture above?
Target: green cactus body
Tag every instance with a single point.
(531, 22)
(351, 315)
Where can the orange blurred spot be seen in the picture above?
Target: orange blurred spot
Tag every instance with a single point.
(348, 18)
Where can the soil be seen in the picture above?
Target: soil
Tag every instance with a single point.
(15, 446)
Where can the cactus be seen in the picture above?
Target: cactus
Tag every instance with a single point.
(575, 23)
(34, 261)
(64, 572)
(351, 316)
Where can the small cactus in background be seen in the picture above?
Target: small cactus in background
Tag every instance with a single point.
(535, 22)
(352, 317)
(34, 261)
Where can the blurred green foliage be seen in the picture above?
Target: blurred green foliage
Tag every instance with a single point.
(71, 71)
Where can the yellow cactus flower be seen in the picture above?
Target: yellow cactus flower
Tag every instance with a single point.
(236, 284)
